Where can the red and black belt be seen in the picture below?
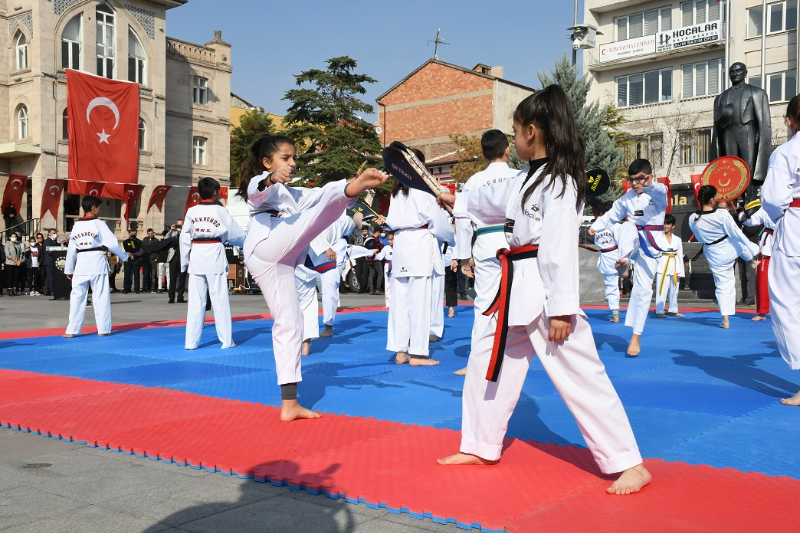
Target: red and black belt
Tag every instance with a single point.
(206, 241)
(96, 249)
(502, 301)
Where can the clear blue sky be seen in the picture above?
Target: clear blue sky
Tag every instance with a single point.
(273, 40)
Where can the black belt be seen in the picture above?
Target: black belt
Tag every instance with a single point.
(97, 249)
(717, 241)
(204, 241)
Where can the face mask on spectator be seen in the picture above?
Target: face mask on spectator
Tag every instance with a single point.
(13, 239)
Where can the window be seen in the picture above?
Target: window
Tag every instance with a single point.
(136, 58)
(71, 44)
(65, 125)
(701, 79)
(141, 134)
(695, 146)
(699, 12)
(648, 147)
(644, 88)
(641, 24)
(199, 150)
(781, 86)
(781, 16)
(22, 122)
(200, 90)
(105, 41)
(21, 51)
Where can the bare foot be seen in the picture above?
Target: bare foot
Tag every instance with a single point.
(794, 400)
(758, 318)
(291, 410)
(680, 315)
(451, 313)
(623, 268)
(68, 335)
(418, 360)
(306, 349)
(465, 459)
(726, 322)
(631, 480)
(634, 347)
(461, 372)
(401, 358)
(614, 318)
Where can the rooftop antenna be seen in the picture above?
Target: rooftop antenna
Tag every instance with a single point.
(437, 42)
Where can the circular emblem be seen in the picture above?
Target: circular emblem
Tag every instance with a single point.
(61, 262)
(729, 174)
(597, 182)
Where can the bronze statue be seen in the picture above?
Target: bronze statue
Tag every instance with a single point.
(743, 128)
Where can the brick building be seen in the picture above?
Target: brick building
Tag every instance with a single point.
(438, 100)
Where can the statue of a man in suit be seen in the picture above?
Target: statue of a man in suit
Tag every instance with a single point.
(743, 128)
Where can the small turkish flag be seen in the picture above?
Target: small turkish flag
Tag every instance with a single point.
(131, 194)
(51, 197)
(192, 199)
(103, 124)
(158, 196)
(223, 194)
(15, 188)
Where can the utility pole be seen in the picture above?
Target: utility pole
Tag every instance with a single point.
(437, 42)
(575, 23)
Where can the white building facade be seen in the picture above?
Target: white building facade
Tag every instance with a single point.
(663, 63)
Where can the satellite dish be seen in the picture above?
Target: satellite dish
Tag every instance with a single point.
(378, 130)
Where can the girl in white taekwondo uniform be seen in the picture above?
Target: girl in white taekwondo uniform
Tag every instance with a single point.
(283, 221)
(538, 302)
(781, 200)
(670, 270)
(87, 266)
(640, 241)
(480, 261)
(207, 226)
(723, 242)
(760, 218)
(419, 226)
(326, 256)
(606, 241)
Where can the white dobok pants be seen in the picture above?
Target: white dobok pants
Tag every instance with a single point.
(387, 288)
(577, 373)
(271, 264)
(487, 283)
(437, 305)
(330, 294)
(202, 286)
(725, 287)
(101, 300)
(784, 301)
(409, 322)
(644, 270)
(611, 282)
(669, 292)
(308, 304)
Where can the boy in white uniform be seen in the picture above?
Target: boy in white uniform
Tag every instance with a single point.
(87, 266)
(326, 253)
(640, 241)
(669, 271)
(606, 242)
(207, 227)
(480, 261)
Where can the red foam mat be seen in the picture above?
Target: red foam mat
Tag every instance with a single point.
(536, 487)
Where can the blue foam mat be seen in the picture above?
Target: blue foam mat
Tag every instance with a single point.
(697, 393)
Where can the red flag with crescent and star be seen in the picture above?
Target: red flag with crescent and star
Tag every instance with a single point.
(51, 197)
(223, 194)
(157, 197)
(15, 188)
(192, 199)
(103, 125)
(131, 194)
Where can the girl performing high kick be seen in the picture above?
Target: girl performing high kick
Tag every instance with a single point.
(283, 221)
(541, 210)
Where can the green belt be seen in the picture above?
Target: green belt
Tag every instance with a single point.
(490, 229)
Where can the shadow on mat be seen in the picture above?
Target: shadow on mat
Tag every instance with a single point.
(314, 384)
(577, 457)
(615, 342)
(738, 370)
(269, 507)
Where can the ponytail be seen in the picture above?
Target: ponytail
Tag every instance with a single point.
(706, 194)
(264, 147)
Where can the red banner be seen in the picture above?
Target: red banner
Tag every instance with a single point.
(158, 196)
(131, 194)
(86, 188)
(192, 199)
(696, 184)
(51, 197)
(103, 124)
(15, 188)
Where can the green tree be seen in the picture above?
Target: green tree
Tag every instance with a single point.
(324, 119)
(471, 157)
(601, 149)
(252, 125)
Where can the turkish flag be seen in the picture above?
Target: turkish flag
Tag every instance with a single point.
(158, 196)
(223, 194)
(86, 188)
(131, 194)
(697, 182)
(192, 199)
(51, 198)
(103, 125)
(15, 188)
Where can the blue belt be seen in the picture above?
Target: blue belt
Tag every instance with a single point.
(490, 229)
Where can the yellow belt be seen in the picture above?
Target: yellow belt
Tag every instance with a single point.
(666, 268)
